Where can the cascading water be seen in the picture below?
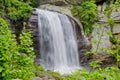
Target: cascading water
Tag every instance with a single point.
(58, 47)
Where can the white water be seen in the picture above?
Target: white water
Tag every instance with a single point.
(58, 47)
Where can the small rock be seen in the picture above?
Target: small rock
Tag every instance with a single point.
(37, 78)
(45, 78)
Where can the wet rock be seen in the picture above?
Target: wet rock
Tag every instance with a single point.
(33, 27)
(59, 3)
(54, 8)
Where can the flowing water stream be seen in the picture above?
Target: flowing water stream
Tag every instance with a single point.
(58, 46)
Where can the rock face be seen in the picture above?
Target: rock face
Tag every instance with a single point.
(55, 2)
(33, 26)
(101, 30)
(60, 9)
(67, 2)
(100, 38)
(102, 17)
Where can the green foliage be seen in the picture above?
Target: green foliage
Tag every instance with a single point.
(108, 11)
(114, 51)
(39, 71)
(109, 73)
(7, 49)
(117, 4)
(19, 10)
(16, 61)
(35, 3)
(15, 9)
(56, 75)
(39, 68)
(25, 58)
(90, 53)
(95, 64)
(26, 42)
(87, 14)
(113, 39)
(1, 8)
(111, 21)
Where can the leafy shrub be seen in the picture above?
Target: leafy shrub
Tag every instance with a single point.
(18, 10)
(35, 3)
(15, 10)
(8, 49)
(25, 58)
(109, 73)
(87, 14)
(95, 64)
(14, 63)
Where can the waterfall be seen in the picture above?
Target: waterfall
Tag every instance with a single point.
(58, 46)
